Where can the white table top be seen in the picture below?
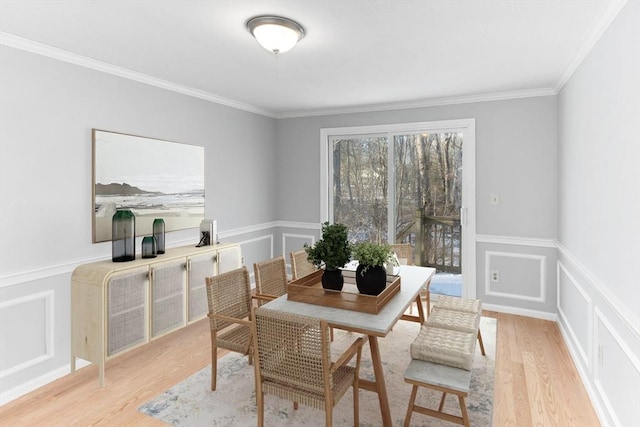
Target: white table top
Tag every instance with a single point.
(413, 279)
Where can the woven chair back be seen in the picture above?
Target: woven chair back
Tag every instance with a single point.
(293, 350)
(271, 277)
(229, 294)
(403, 252)
(300, 266)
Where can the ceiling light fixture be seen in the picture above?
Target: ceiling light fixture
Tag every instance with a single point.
(275, 33)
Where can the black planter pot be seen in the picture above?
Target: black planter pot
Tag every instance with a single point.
(373, 281)
(333, 280)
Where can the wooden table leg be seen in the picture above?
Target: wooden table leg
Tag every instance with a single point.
(420, 309)
(381, 387)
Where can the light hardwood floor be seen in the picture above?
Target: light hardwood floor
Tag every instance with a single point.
(536, 381)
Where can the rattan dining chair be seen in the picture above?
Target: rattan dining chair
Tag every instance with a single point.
(300, 266)
(271, 279)
(403, 252)
(405, 257)
(293, 362)
(229, 297)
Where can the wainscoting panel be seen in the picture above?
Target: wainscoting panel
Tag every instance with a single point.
(520, 276)
(38, 308)
(603, 339)
(575, 307)
(255, 250)
(616, 372)
(294, 242)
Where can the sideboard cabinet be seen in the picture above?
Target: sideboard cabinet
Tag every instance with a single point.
(116, 307)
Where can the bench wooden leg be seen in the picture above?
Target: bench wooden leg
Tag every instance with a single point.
(412, 399)
(481, 343)
(463, 408)
(444, 395)
(413, 407)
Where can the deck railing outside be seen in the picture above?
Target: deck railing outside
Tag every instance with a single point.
(437, 242)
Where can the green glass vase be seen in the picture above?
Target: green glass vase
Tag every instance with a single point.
(123, 236)
(158, 233)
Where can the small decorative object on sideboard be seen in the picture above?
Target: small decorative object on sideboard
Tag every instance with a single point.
(373, 259)
(207, 233)
(123, 236)
(158, 233)
(333, 251)
(149, 247)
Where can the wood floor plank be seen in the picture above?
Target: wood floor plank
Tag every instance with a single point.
(533, 370)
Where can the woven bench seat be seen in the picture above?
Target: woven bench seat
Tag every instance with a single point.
(459, 304)
(460, 321)
(444, 346)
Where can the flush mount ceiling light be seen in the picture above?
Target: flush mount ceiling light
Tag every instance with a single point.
(275, 33)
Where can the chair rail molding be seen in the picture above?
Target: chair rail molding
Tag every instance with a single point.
(513, 240)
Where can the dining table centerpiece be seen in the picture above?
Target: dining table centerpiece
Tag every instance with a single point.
(373, 261)
(331, 253)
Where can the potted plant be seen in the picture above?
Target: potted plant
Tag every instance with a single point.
(371, 273)
(332, 252)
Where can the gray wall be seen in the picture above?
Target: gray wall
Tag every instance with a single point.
(47, 110)
(516, 156)
(599, 219)
(566, 168)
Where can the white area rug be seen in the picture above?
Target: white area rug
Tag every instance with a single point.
(191, 403)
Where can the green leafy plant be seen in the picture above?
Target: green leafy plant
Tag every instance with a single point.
(333, 250)
(371, 254)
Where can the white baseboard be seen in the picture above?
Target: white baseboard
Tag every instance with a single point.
(521, 312)
(584, 376)
(36, 383)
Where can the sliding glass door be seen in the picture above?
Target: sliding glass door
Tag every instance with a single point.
(406, 184)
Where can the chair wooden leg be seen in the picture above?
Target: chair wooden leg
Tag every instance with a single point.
(481, 343)
(214, 363)
(328, 416)
(356, 403)
(260, 405)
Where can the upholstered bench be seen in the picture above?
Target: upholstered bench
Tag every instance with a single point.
(446, 379)
(442, 355)
(462, 321)
(444, 346)
(466, 305)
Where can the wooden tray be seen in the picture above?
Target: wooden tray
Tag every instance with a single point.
(309, 289)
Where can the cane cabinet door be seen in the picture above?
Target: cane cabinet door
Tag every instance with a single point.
(126, 309)
(168, 287)
(199, 267)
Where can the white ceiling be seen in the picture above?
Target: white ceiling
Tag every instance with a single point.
(357, 55)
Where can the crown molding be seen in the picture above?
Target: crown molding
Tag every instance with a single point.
(431, 102)
(27, 45)
(21, 43)
(599, 29)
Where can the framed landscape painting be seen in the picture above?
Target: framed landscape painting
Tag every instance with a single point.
(151, 177)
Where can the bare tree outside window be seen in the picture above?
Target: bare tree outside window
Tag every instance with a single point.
(427, 170)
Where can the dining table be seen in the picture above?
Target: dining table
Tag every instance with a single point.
(413, 280)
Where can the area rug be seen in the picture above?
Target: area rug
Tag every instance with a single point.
(191, 403)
